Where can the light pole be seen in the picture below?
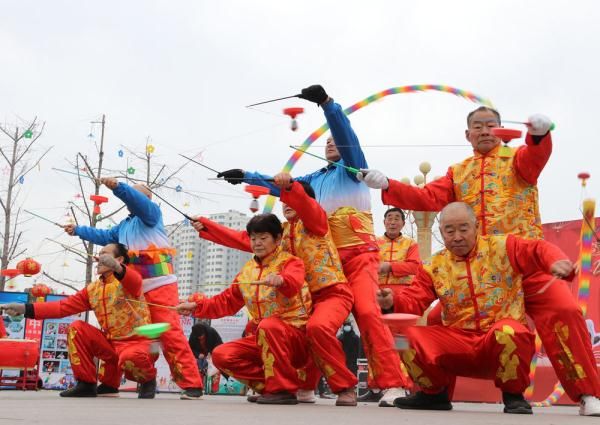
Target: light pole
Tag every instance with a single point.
(423, 219)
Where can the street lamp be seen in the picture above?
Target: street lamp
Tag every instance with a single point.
(423, 219)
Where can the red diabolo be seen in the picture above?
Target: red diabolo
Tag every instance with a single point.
(506, 134)
(98, 200)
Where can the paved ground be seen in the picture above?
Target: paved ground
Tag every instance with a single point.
(45, 407)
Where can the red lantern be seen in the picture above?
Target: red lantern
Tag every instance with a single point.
(292, 112)
(39, 291)
(256, 192)
(98, 200)
(28, 267)
(10, 273)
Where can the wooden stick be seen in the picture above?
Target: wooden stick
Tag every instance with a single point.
(170, 307)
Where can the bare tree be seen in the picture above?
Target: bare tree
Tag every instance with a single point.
(20, 159)
(87, 173)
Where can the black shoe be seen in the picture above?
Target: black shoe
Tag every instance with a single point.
(252, 398)
(423, 401)
(82, 389)
(147, 389)
(191, 394)
(278, 398)
(370, 397)
(106, 391)
(516, 403)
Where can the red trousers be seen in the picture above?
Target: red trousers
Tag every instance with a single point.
(268, 361)
(384, 367)
(131, 357)
(175, 346)
(561, 327)
(438, 354)
(331, 306)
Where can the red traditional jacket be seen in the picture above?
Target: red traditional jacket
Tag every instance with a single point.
(290, 302)
(307, 237)
(478, 290)
(500, 186)
(108, 298)
(403, 255)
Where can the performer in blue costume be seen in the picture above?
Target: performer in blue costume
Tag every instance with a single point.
(348, 204)
(143, 232)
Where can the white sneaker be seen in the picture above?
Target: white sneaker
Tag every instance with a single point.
(390, 395)
(306, 396)
(589, 406)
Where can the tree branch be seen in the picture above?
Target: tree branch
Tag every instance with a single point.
(53, 279)
(34, 165)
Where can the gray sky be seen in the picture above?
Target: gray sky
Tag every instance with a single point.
(182, 71)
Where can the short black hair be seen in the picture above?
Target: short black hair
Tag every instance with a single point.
(307, 188)
(122, 251)
(265, 223)
(398, 210)
(483, 109)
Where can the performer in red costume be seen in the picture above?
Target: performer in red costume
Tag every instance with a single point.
(399, 254)
(271, 286)
(114, 343)
(306, 234)
(500, 184)
(479, 281)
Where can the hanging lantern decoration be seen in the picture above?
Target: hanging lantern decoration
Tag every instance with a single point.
(39, 291)
(178, 188)
(150, 149)
(98, 200)
(256, 192)
(292, 112)
(10, 274)
(131, 170)
(28, 134)
(22, 179)
(189, 255)
(120, 153)
(28, 267)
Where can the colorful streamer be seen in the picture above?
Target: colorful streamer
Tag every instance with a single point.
(585, 253)
(374, 97)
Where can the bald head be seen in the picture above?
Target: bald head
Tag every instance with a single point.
(457, 209)
(458, 226)
(143, 189)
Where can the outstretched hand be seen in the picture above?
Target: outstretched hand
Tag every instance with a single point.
(186, 309)
(283, 180)
(233, 176)
(315, 93)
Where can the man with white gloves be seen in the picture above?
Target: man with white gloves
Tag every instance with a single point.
(500, 184)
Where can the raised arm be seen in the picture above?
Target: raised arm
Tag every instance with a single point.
(432, 197)
(138, 204)
(344, 136)
(98, 236)
(308, 209)
(531, 159)
(222, 235)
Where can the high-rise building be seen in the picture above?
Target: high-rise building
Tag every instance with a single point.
(203, 266)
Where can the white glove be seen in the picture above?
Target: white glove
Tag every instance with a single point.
(539, 125)
(375, 179)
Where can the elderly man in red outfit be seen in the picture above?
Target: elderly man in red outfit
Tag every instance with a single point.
(500, 184)
(479, 281)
